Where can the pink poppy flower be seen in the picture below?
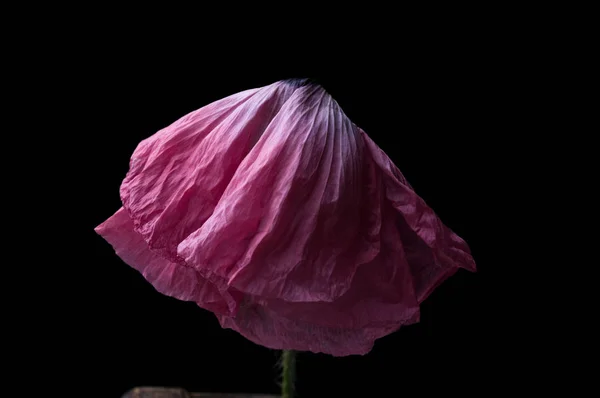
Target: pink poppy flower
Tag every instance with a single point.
(273, 210)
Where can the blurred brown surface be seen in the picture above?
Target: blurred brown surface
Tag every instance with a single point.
(164, 392)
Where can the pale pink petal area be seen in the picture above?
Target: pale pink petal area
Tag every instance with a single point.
(273, 210)
(290, 224)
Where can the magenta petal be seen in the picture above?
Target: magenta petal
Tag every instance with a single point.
(433, 252)
(273, 210)
(169, 278)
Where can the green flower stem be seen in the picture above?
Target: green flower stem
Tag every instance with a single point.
(288, 360)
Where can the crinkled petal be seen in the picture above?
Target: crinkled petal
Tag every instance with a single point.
(168, 278)
(432, 250)
(291, 224)
(273, 210)
(177, 176)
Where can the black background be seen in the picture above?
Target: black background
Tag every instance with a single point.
(438, 104)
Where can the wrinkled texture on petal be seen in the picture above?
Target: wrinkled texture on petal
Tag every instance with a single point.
(273, 210)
